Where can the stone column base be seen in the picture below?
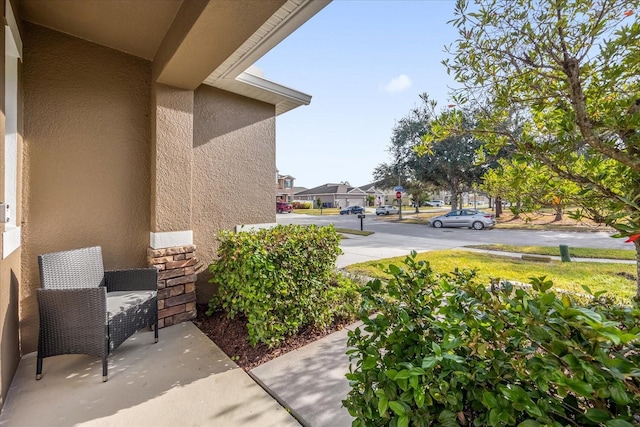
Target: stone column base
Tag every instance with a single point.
(176, 283)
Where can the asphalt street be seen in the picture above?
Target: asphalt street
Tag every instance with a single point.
(423, 237)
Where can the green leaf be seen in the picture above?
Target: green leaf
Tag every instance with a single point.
(419, 397)
(398, 407)
(383, 405)
(529, 423)
(403, 374)
(619, 394)
(580, 387)
(429, 362)
(618, 423)
(391, 374)
(369, 363)
(598, 415)
(403, 421)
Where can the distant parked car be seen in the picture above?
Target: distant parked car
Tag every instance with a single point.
(283, 207)
(386, 210)
(435, 203)
(352, 210)
(464, 218)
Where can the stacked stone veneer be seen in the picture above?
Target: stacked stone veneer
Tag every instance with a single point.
(176, 283)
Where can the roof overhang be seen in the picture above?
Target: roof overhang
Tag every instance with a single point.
(189, 42)
(233, 76)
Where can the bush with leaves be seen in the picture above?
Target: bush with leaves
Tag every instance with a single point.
(443, 350)
(281, 279)
(301, 205)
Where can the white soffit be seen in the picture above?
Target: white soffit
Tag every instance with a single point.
(231, 75)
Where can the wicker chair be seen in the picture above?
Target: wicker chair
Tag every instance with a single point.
(85, 310)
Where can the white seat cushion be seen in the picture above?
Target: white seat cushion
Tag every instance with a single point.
(120, 301)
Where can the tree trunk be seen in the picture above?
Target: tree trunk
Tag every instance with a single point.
(454, 200)
(558, 214)
(498, 207)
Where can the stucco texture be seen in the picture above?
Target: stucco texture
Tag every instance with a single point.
(172, 141)
(87, 151)
(233, 169)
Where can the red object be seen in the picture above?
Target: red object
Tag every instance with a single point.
(398, 195)
(283, 207)
(632, 238)
(628, 13)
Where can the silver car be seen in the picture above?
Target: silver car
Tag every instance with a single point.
(386, 210)
(464, 218)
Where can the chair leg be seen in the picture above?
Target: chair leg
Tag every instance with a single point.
(155, 330)
(105, 356)
(104, 369)
(39, 368)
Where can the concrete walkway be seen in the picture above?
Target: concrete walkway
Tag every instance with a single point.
(183, 380)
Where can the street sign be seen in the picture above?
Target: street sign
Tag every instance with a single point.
(398, 195)
(398, 188)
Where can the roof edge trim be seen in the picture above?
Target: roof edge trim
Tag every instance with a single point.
(275, 88)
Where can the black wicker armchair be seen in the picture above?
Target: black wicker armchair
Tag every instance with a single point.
(86, 310)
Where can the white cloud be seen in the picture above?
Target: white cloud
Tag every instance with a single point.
(398, 84)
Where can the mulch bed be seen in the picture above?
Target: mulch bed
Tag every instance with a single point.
(231, 336)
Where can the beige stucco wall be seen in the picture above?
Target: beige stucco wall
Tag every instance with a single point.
(233, 168)
(9, 334)
(172, 153)
(87, 156)
(9, 266)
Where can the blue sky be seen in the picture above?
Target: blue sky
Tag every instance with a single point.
(364, 62)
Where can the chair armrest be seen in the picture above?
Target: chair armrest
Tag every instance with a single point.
(136, 279)
(69, 317)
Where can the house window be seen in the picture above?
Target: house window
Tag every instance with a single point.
(287, 183)
(12, 52)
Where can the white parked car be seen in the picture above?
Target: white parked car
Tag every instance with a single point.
(386, 210)
(464, 218)
(435, 203)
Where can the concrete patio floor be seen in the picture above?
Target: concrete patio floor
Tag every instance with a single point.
(184, 379)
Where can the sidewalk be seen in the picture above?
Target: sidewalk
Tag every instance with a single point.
(183, 380)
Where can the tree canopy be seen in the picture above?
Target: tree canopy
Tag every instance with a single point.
(450, 164)
(559, 81)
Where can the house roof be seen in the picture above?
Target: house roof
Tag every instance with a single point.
(330, 188)
(190, 43)
(325, 189)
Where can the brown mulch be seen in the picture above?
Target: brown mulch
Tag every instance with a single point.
(231, 336)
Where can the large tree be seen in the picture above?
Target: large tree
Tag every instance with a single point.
(559, 80)
(450, 164)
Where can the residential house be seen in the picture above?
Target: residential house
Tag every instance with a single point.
(134, 125)
(340, 195)
(284, 188)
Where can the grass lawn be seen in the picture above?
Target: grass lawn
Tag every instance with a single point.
(325, 211)
(617, 279)
(353, 231)
(626, 254)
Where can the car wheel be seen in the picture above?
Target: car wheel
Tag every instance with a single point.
(387, 213)
(279, 211)
(477, 225)
(437, 224)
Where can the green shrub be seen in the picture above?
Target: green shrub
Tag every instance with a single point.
(281, 279)
(446, 351)
(302, 205)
